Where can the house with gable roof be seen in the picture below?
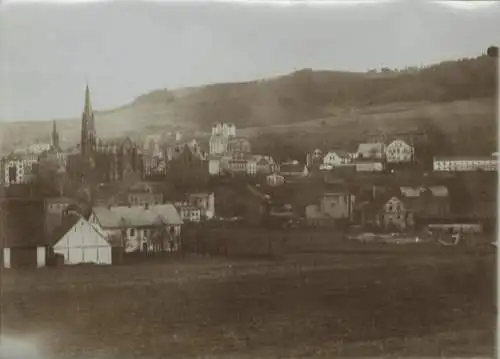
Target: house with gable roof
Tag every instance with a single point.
(398, 151)
(401, 208)
(154, 228)
(83, 243)
(336, 158)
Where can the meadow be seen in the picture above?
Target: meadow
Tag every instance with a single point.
(319, 304)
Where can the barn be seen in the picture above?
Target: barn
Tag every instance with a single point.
(22, 240)
(84, 243)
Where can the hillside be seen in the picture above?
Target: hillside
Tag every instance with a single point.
(302, 96)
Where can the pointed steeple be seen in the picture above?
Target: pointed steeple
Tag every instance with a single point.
(87, 110)
(88, 135)
(55, 137)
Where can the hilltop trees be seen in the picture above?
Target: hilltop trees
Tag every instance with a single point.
(492, 51)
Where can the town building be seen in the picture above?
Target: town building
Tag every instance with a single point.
(336, 158)
(142, 193)
(188, 213)
(154, 165)
(369, 166)
(293, 169)
(187, 166)
(275, 180)
(465, 163)
(38, 148)
(239, 144)
(214, 165)
(399, 151)
(222, 135)
(147, 229)
(235, 163)
(265, 165)
(371, 151)
(406, 208)
(338, 205)
(18, 169)
(205, 201)
(396, 215)
(431, 202)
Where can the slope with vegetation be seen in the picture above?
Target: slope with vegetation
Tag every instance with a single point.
(305, 95)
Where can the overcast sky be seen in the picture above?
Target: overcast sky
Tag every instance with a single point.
(124, 50)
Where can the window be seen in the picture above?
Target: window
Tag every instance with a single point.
(132, 232)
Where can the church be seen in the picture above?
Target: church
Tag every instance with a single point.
(98, 161)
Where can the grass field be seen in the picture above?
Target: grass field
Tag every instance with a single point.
(321, 305)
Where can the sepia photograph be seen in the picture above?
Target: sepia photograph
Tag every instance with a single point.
(248, 179)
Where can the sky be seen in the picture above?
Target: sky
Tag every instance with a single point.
(123, 50)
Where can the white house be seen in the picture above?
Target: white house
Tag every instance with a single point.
(252, 165)
(188, 213)
(17, 169)
(336, 158)
(38, 148)
(214, 165)
(205, 201)
(275, 180)
(84, 243)
(223, 129)
(399, 151)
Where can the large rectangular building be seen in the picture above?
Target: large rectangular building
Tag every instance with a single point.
(463, 163)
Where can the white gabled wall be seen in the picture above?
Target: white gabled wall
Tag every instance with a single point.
(83, 244)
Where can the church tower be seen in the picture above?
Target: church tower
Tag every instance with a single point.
(88, 135)
(55, 137)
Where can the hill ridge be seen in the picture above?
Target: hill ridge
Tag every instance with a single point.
(301, 96)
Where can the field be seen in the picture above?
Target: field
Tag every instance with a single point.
(378, 302)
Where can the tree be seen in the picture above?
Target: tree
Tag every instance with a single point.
(492, 51)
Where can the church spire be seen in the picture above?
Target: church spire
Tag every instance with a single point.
(88, 135)
(55, 136)
(87, 110)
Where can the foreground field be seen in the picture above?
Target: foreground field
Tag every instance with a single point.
(300, 306)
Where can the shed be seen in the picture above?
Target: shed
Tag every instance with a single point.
(22, 237)
(84, 243)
